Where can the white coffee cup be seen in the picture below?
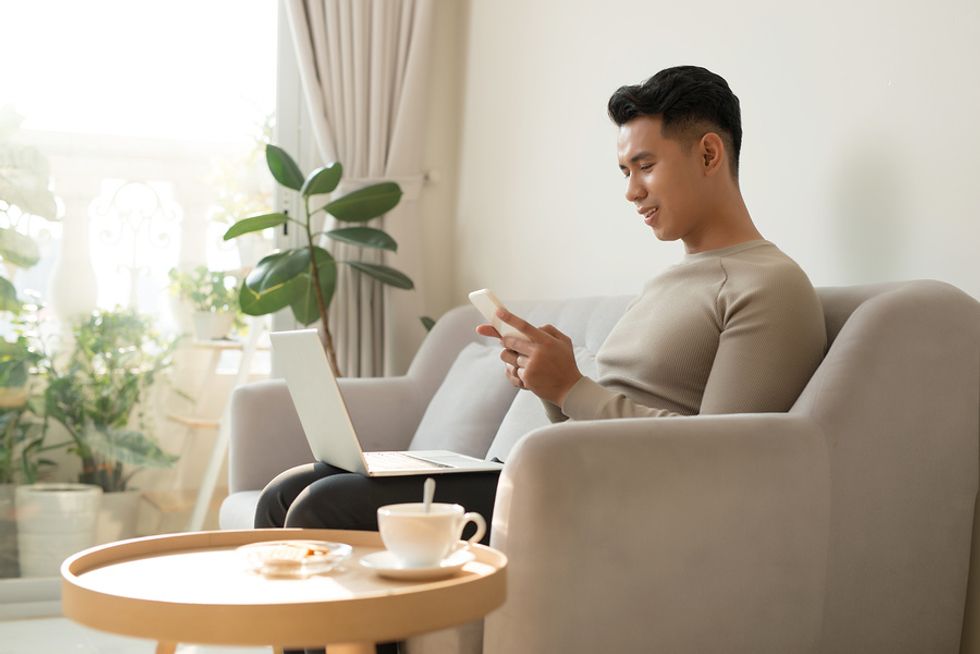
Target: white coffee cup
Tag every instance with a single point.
(419, 539)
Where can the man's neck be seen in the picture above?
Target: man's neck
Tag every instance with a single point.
(730, 225)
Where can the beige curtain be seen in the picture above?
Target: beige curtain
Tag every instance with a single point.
(363, 68)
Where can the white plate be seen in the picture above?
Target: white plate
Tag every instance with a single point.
(294, 558)
(387, 564)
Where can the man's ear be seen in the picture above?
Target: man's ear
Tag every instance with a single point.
(711, 153)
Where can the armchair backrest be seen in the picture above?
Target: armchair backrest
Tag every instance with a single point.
(897, 397)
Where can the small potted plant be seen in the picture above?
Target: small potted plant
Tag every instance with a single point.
(98, 395)
(213, 299)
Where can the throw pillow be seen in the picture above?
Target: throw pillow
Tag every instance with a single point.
(466, 410)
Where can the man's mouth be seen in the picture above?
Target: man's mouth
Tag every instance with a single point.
(648, 216)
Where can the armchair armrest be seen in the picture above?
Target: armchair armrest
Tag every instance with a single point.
(267, 437)
(706, 533)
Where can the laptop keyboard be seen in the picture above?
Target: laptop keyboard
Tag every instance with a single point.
(399, 461)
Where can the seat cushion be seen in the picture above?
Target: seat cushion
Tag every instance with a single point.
(466, 410)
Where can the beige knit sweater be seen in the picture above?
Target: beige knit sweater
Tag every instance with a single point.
(734, 330)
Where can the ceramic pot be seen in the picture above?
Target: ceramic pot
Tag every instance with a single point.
(53, 522)
(211, 325)
(117, 516)
(8, 533)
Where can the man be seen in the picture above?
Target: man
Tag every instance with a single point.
(735, 327)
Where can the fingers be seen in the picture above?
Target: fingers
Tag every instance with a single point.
(522, 325)
(553, 331)
(512, 376)
(518, 344)
(487, 330)
(509, 357)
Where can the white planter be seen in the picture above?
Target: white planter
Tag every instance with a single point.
(117, 516)
(183, 313)
(53, 522)
(8, 533)
(210, 325)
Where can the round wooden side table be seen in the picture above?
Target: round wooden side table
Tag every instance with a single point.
(195, 588)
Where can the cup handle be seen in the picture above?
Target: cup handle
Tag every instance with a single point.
(481, 527)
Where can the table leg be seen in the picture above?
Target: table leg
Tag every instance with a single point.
(166, 648)
(351, 648)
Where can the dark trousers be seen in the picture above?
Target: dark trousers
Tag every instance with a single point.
(320, 496)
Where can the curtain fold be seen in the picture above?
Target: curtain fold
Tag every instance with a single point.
(363, 67)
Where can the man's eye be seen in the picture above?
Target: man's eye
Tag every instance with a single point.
(646, 166)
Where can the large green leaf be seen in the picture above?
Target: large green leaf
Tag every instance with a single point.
(269, 288)
(277, 269)
(18, 249)
(305, 307)
(8, 296)
(254, 303)
(255, 224)
(383, 274)
(323, 180)
(128, 447)
(367, 237)
(367, 203)
(24, 179)
(283, 168)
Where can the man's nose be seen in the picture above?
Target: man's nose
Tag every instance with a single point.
(634, 190)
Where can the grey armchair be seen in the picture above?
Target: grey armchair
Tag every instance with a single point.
(844, 525)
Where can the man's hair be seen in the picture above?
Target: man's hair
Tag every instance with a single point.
(690, 101)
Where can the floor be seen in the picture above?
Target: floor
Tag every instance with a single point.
(49, 635)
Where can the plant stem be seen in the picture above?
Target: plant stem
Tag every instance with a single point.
(327, 338)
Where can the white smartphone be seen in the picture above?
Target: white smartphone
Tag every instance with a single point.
(487, 303)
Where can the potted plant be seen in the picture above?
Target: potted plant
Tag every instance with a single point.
(304, 278)
(21, 438)
(24, 194)
(213, 299)
(98, 395)
(52, 520)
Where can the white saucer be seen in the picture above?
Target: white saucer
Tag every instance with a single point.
(386, 564)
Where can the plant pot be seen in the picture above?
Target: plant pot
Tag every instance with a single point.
(8, 533)
(183, 314)
(53, 522)
(12, 397)
(211, 325)
(117, 516)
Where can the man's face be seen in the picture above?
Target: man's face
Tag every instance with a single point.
(663, 181)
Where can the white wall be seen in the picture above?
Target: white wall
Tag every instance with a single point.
(860, 158)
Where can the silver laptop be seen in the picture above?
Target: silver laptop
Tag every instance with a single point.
(326, 421)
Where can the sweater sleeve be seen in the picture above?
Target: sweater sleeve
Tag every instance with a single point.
(587, 400)
(554, 413)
